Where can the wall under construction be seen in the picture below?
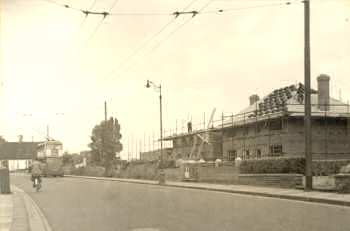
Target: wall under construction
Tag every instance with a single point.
(189, 143)
(284, 136)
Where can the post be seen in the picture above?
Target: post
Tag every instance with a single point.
(222, 136)
(307, 104)
(348, 125)
(161, 173)
(105, 111)
(161, 123)
(129, 147)
(5, 180)
(232, 134)
(176, 127)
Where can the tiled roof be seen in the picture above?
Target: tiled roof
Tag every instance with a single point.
(277, 101)
(18, 150)
(287, 100)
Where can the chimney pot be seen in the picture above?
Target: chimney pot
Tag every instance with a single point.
(323, 92)
(253, 99)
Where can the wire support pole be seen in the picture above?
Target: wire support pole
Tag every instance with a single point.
(307, 105)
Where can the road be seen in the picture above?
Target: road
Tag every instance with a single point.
(83, 204)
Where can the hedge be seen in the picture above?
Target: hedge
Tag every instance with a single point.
(273, 165)
(89, 171)
(291, 165)
(328, 167)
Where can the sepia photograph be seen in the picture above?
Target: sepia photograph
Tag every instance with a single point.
(174, 115)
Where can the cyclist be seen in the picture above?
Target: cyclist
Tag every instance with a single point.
(36, 171)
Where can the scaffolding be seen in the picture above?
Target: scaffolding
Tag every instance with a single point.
(273, 128)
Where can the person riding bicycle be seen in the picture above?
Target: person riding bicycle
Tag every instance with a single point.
(36, 171)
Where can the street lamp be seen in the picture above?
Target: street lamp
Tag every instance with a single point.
(159, 88)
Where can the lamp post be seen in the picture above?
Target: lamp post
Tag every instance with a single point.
(159, 88)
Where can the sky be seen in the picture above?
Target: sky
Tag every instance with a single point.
(58, 66)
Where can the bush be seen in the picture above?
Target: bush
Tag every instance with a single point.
(328, 167)
(89, 171)
(291, 165)
(273, 165)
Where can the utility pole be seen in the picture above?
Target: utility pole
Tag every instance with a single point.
(160, 166)
(104, 127)
(161, 124)
(47, 132)
(105, 111)
(307, 104)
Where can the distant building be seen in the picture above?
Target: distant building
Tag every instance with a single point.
(50, 148)
(155, 154)
(273, 126)
(18, 154)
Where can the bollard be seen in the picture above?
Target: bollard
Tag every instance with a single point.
(4, 181)
(161, 179)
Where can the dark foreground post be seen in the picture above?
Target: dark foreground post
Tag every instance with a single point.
(4, 181)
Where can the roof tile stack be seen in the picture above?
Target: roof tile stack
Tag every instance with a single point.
(277, 100)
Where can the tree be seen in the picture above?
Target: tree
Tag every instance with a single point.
(105, 143)
(2, 140)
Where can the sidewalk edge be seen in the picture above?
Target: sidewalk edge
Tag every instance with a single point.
(263, 194)
(32, 207)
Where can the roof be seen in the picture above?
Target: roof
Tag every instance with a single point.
(55, 142)
(18, 150)
(287, 101)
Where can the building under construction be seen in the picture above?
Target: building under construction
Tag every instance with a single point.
(273, 126)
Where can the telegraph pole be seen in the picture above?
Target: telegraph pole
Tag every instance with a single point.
(307, 104)
(105, 111)
(47, 132)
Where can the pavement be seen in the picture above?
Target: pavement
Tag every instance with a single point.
(18, 211)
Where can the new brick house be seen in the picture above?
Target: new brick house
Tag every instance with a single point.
(273, 126)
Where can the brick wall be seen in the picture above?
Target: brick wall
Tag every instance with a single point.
(330, 140)
(271, 180)
(182, 146)
(154, 155)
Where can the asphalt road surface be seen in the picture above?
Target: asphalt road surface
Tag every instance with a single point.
(83, 204)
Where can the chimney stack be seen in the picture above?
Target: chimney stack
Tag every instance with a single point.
(253, 98)
(323, 92)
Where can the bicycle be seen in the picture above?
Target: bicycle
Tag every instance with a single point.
(37, 183)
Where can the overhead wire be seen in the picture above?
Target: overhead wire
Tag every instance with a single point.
(139, 48)
(250, 7)
(109, 13)
(92, 4)
(201, 11)
(173, 31)
(176, 14)
(144, 44)
(85, 17)
(105, 14)
(89, 11)
(113, 5)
